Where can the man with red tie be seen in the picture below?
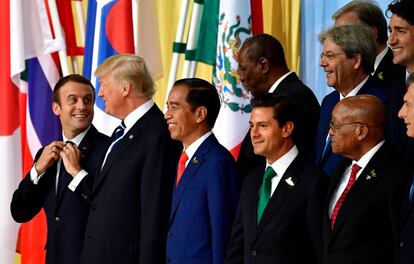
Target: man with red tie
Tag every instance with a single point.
(205, 193)
(361, 223)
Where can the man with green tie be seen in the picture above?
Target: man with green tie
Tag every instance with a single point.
(280, 209)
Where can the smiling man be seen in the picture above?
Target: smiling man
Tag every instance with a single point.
(401, 27)
(46, 185)
(205, 191)
(362, 210)
(280, 210)
(347, 58)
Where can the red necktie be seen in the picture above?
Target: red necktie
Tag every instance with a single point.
(181, 165)
(351, 181)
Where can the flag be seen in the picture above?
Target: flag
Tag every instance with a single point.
(34, 71)
(110, 31)
(10, 153)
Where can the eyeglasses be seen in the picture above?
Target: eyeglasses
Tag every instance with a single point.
(335, 127)
(330, 56)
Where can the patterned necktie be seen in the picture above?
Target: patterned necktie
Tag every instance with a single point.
(351, 181)
(181, 165)
(118, 132)
(265, 190)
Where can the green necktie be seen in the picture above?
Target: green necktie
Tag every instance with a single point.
(265, 189)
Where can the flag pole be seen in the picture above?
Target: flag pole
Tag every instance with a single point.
(135, 10)
(178, 46)
(57, 29)
(80, 19)
(190, 63)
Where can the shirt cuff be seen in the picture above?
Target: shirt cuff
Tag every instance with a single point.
(33, 175)
(77, 179)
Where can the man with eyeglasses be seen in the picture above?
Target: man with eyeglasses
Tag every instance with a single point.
(348, 58)
(362, 209)
(263, 69)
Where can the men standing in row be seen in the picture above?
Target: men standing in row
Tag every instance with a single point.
(206, 190)
(390, 75)
(407, 235)
(131, 195)
(280, 209)
(263, 69)
(361, 218)
(348, 59)
(46, 185)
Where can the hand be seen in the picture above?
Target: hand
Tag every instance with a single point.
(71, 159)
(50, 154)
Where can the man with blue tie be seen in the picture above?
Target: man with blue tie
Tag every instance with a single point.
(49, 184)
(205, 190)
(407, 235)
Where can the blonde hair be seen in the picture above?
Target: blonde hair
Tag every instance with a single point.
(131, 69)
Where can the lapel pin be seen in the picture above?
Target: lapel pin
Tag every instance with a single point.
(380, 76)
(289, 181)
(131, 136)
(195, 160)
(371, 175)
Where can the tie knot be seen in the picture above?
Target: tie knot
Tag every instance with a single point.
(269, 174)
(70, 142)
(119, 131)
(183, 157)
(355, 169)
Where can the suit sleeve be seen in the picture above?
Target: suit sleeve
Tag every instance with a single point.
(222, 204)
(28, 199)
(235, 251)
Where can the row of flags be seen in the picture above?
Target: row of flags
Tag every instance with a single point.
(31, 67)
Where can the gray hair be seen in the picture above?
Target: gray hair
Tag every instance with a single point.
(353, 39)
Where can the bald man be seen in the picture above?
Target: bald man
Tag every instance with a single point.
(361, 223)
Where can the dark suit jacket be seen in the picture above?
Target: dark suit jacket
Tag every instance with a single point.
(393, 77)
(367, 226)
(407, 234)
(203, 207)
(291, 226)
(305, 129)
(66, 213)
(131, 196)
(330, 161)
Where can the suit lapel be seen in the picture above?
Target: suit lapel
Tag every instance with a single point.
(193, 165)
(368, 177)
(283, 190)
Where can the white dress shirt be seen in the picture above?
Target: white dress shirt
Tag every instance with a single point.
(191, 150)
(276, 84)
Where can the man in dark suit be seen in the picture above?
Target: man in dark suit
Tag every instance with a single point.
(279, 217)
(263, 69)
(131, 195)
(407, 235)
(48, 182)
(390, 75)
(362, 209)
(206, 190)
(347, 58)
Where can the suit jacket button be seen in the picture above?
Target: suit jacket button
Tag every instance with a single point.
(57, 219)
(254, 253)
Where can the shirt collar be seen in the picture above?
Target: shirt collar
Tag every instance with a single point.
(191, 150)
(379, 58)
(355, 90)
(280, 166)
(78, 139)
(363, 161)
(276, 84)
(135, 115)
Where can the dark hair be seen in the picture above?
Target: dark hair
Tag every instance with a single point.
(202, 93)
(402, 8)
(284, 109)
(77, 78)
(369, 13)
(266, 46)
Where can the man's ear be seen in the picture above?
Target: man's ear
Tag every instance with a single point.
(357, 61)
(264, 65)
(126, 89)
(287, 129)
(361, 131)
(56, 109)
(201, 114)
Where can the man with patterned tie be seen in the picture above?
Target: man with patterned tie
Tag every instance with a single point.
(407, 235)
(280, 209)
(362, 209)
(206, 189)
(131, 195)
(50, 182)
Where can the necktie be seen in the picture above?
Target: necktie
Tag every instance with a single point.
(265, 189)
(181, 165)
(351, 181)
(63, 177)
(118, 132)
